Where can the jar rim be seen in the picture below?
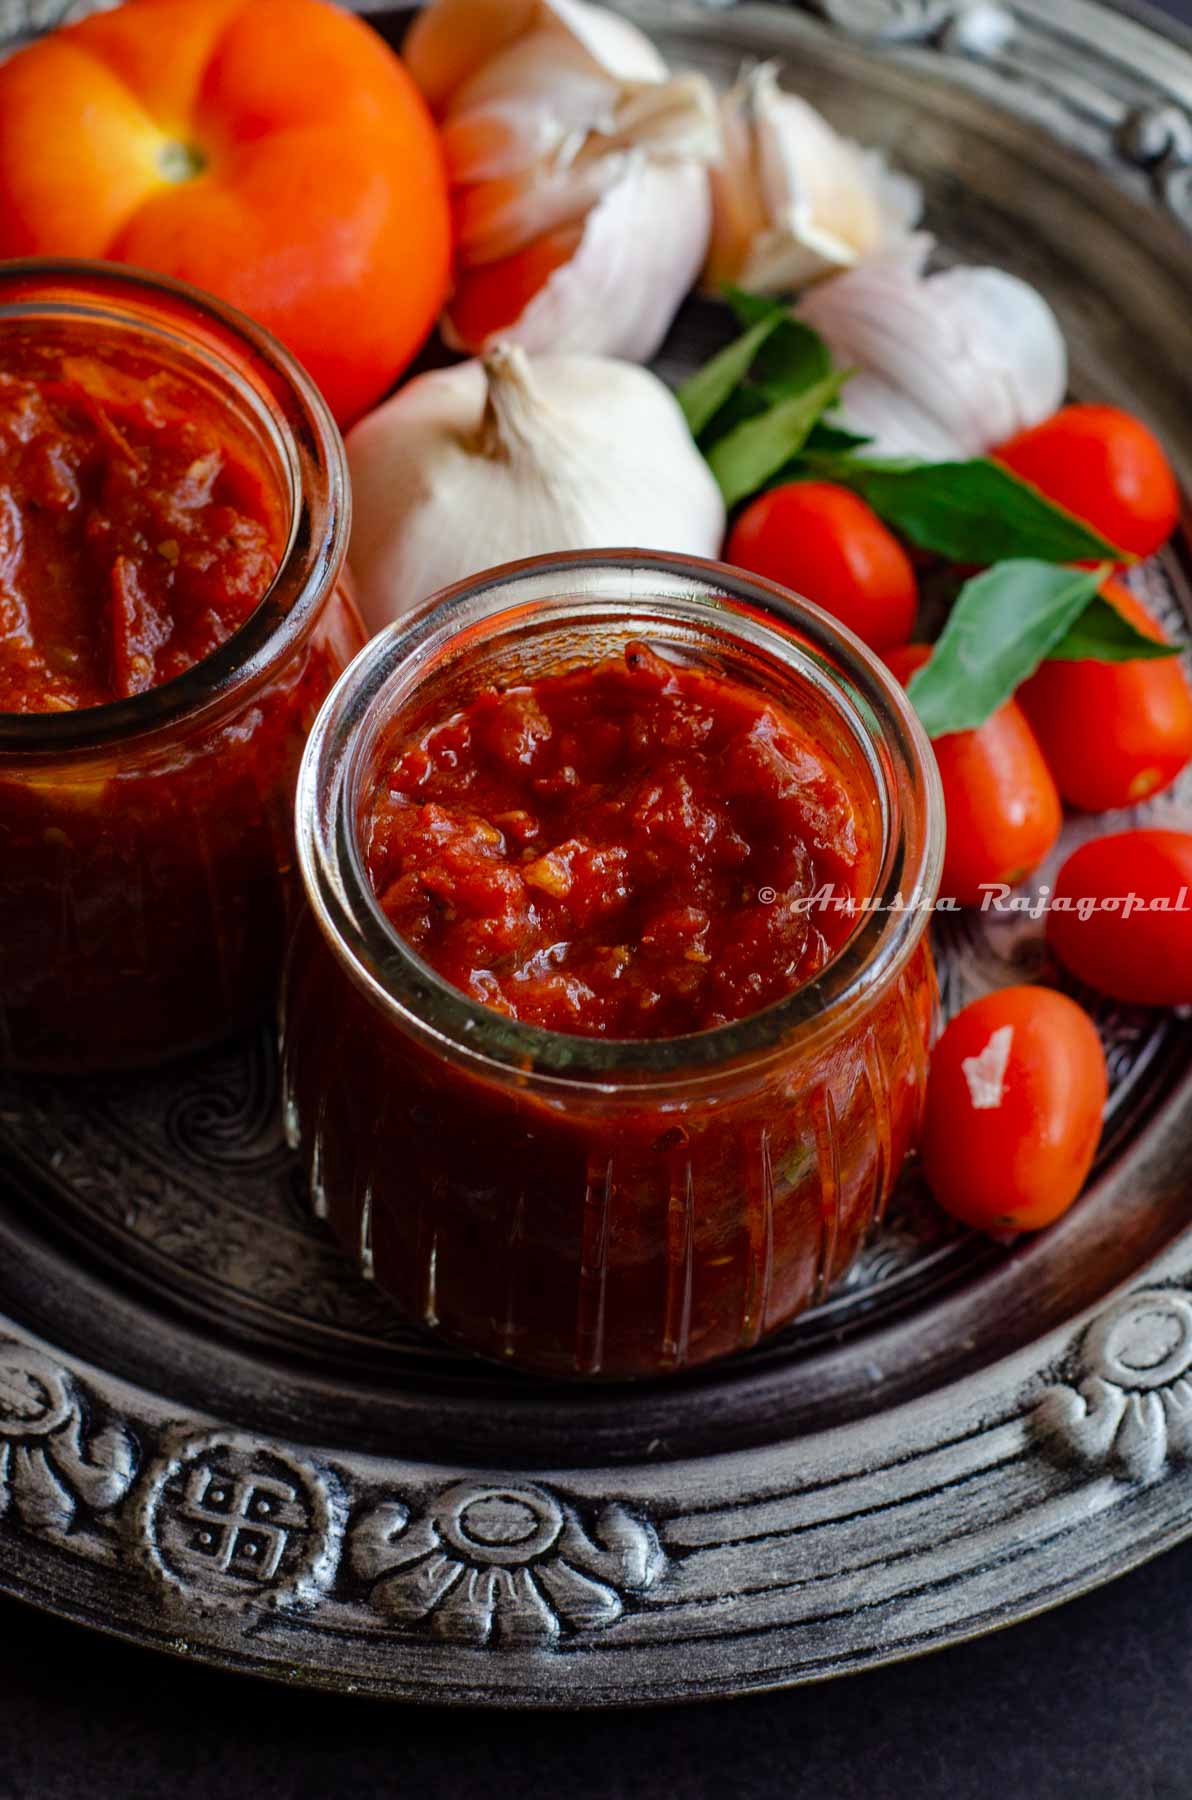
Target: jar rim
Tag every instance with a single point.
(423, 1001)
(299, 422)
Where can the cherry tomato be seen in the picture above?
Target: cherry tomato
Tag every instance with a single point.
(826, 544)
(1107, 468)
(1014, 1101)
(1004, 812)
(1101, 925)
(1112, 733)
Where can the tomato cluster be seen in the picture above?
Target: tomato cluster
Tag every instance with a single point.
(1018, 1079)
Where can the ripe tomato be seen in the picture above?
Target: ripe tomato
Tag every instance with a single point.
(1107, 468)
(1014, 1101)
(1125, 949)
(1004, 812)
(274, 152)
(1112, 733)
(823, 542)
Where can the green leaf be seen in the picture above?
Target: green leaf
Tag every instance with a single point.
(1102, 634)
(750, 308)
(1002, 626)
(753, 451)
(776, 357)
(973, 512)
(793, 357)
(828, 439)
(745, 402)
(704, 393)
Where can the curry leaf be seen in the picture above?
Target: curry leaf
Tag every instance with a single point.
(970, 512)
(776, 357)
(704, 393)
(747, 456)
(831, 439)
(792, 358)
(749, 308)
(1002, 626)
(1103, 634)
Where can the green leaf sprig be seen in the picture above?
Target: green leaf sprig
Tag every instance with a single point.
(760, 411)
(1003, 624)
(969, 512)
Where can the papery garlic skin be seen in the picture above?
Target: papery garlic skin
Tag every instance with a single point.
(947, 365)
(494, 460)
(640, 253)
(792, 199)
(572, 155)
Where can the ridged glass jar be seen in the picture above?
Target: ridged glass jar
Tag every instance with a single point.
(570, 1204)
(146, 860)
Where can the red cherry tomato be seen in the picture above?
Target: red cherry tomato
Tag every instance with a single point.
(1107, 468)
(1003, 810)
(1014, 1101)
(1121, 916)
(1112, 733)
(823, 542)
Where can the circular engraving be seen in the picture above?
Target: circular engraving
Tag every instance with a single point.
(1145, 1342)
(498, 1525)
(513, 1566)
(230, 1521)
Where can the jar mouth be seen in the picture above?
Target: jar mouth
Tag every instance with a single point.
(646, 591)
(282, 402)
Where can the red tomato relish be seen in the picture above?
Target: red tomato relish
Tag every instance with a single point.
(134, 539)
(623, 850)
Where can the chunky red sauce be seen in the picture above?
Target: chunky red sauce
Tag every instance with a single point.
(134, 538)
(627, 849)
(145, 880)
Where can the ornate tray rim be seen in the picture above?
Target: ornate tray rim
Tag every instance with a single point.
(583, 1586)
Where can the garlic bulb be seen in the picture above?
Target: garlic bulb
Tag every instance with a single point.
(792, 200)
(578, 170)
(497, 459)
(947, 365)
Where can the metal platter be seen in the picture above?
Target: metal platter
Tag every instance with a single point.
(215, 1440)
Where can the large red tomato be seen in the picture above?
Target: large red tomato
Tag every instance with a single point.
(274, 152)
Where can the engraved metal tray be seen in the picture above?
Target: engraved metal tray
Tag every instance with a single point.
(217, 1440)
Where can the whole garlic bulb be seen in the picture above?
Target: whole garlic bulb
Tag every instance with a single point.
(501, 458)
(578, 170)
(947, 365)
(792, 199)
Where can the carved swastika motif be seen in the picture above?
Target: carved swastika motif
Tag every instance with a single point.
(242, 1523)
(235, 1522)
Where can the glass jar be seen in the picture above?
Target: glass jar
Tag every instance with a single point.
(146, 864)
(571, 1204)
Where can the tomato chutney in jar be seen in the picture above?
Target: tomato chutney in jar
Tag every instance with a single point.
(608, 1032)
(173, 520)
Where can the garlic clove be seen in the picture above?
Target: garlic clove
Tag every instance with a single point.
(670, 122)
(674, 121)
(546, 98)
(538, 98)
(964, 357)
(545, 132)
(490, 461)
(793, 200)
(451, 41)
(993, 309)
(895, 423)
(624, 276)
(493, 219)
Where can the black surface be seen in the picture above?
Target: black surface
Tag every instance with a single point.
(1092, 1702)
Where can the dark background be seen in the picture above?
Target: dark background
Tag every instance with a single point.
(1093, 1702)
